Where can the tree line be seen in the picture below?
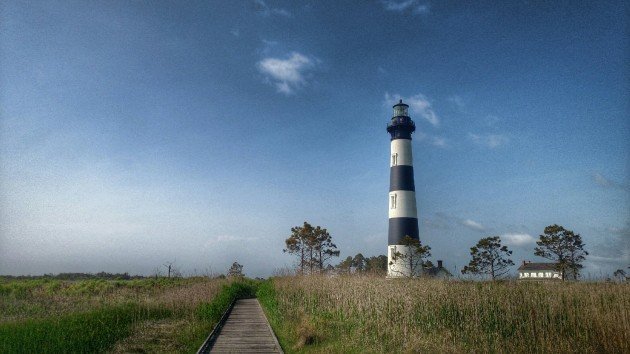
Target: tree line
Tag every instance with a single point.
(313, 248)
(564, 247)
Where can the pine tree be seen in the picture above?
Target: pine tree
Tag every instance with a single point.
(312, 246)
(490, 258)
(564, 247)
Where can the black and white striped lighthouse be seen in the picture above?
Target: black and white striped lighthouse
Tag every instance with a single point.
(403, 214)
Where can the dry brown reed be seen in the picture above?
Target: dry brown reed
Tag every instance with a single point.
(374, 314)
(40, 301)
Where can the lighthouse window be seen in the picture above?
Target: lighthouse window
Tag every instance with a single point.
(395, 159)
(400, 111)
(393, 201)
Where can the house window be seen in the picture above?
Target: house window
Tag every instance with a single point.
(395, 159)
(393, 201)
(548, 275)
(541, 275)
(533, 275)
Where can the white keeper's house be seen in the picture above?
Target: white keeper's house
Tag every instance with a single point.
(538, 271)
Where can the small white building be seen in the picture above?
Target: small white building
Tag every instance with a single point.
(538, 271)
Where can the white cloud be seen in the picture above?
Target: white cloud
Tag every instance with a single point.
(620, 231)
(458, 101)
(403, 5)
(422, 9)
(226, 239)
(432, 140)
(518, 239)
(473, 225)
(265, 10)
(281, 12)
(491, 120)
(287, 74)
(488, 140)
(602, 181)
(437, 141)
(418, 104)
(594, 258)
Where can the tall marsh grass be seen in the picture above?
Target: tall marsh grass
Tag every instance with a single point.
(52, 316)
(86, 332)
(373, 314)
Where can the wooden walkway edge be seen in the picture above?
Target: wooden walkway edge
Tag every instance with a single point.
(245, 329)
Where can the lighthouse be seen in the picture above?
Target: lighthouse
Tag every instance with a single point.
(403, 213)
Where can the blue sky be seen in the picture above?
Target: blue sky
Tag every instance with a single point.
(136, 133)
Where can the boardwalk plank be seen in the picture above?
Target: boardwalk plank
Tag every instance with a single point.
(246, 330)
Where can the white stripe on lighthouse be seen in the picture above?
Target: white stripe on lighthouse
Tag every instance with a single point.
(402, 204)
(399, 268)
(401, 153)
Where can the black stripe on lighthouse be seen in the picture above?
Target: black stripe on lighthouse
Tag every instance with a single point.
(401, 227)
(401, 178)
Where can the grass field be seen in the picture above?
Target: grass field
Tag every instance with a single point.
(373, 314)
(344, 314)
(148, 315)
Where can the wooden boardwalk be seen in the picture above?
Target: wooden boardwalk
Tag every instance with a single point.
(246, 331)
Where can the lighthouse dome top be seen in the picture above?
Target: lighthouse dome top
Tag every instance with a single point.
(401, 126)
(401, 109)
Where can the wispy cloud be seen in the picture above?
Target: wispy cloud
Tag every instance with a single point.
(620, 231)
(437, 141)
(518, 239)
(414, 6)
(614, 243)
(286, 74)
(419, 104)
(266, 10)
(223, 240)
(602, 181)
(471, 224)
(457, 101)
(593, 258)
(432, 140)
(488, 140)
(491, 120)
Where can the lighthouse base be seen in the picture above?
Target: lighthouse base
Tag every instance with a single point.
(402, 263)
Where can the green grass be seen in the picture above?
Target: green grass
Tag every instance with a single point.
(266, 295)
(93, 331)
(236, 290)
(111, 319)
(53, 316)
